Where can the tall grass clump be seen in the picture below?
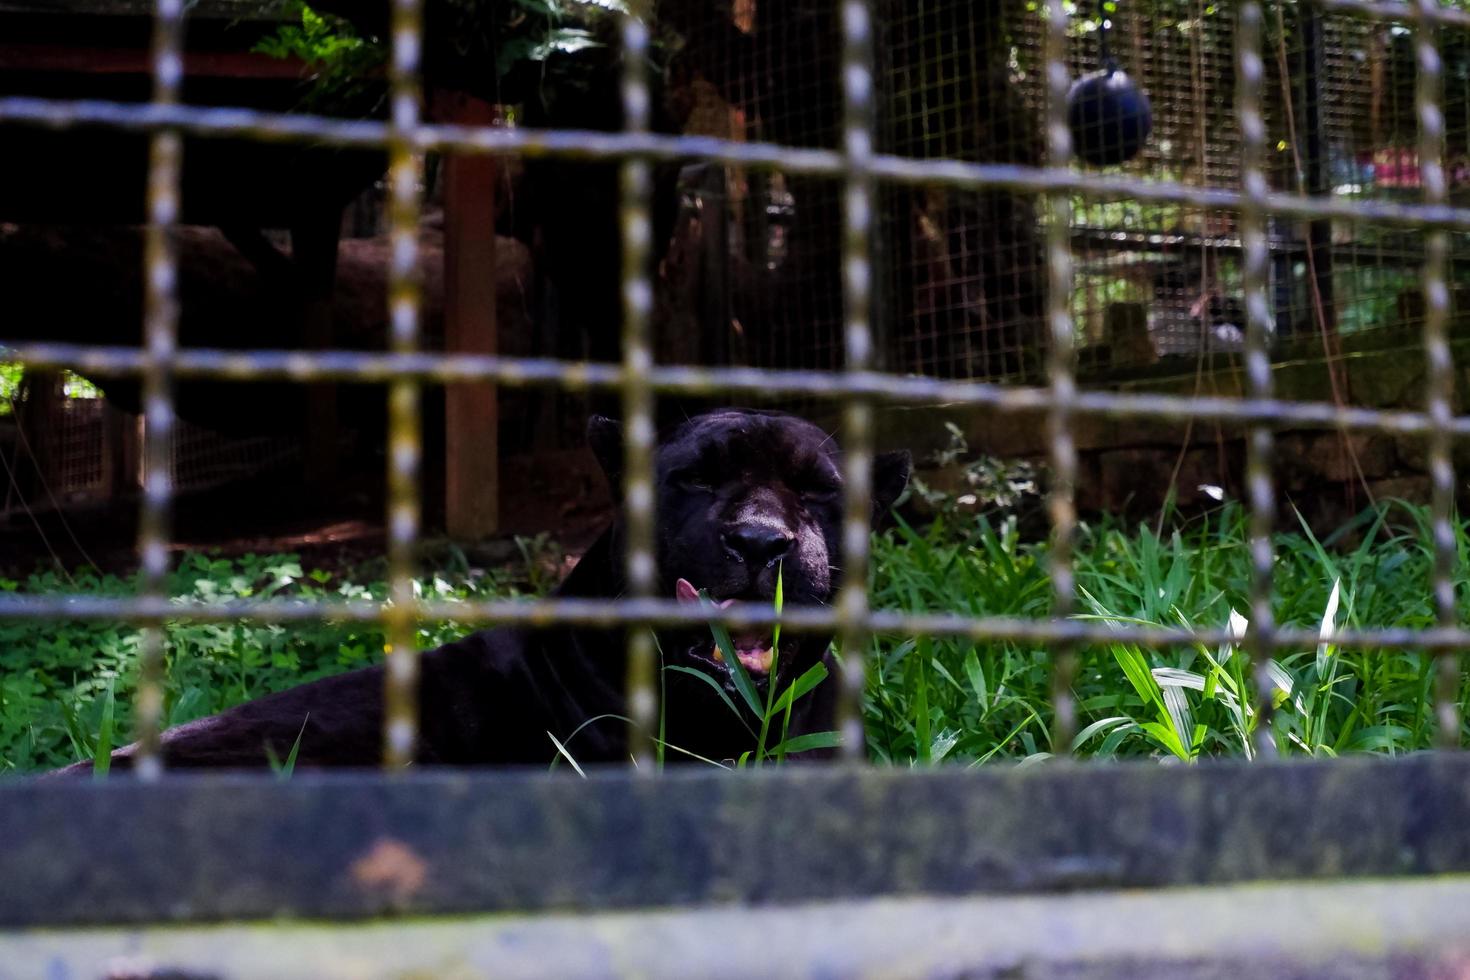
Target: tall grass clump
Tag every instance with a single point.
(953, 699)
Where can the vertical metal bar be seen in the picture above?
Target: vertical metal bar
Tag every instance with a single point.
(1440, 365)
(1262, 495)
(1317, 164)
(405, 168)
(1061, 374)
(638, 413)
(160, 340)
(857, 412)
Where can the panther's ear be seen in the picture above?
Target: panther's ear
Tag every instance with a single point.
(605, 436)
(890, 476)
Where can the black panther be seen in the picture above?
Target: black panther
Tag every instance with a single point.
(743, 496)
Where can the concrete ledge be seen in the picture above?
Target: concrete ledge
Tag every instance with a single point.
(220, 847)
(1350, 931)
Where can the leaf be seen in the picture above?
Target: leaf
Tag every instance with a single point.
(561, 750)
(1101, 725)
(738, 674)
(800, 687)
(976, 675)
(805, 743)
(1328, 627)
(102, 758)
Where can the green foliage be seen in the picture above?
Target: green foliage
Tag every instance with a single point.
(947, 698)
(10, 374)
(774, 710)
(345, 66)
(538, 29)
(66, 687)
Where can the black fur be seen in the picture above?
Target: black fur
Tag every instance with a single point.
(735, 488)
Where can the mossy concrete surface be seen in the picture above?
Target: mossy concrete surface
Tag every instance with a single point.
(225, 847)
(1365, 930)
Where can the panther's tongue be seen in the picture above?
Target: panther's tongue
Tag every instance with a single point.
(753, 649)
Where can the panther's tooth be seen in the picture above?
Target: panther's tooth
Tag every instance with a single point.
(685, 591)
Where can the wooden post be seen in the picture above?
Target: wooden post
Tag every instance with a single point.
(471, 416)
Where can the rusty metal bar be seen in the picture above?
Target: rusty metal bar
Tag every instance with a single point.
(593, 145)
(1061, 372)
(511, 372)
(1440, 365)
(547, 613)
(160, 339)
(857, 411)
(405, 169)
(1260, 638)
(639, 435)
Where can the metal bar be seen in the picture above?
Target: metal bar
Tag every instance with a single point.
(547, 613)
(1061, 372)
(405, 169)
(639, 435)
(1409, 13)
(160, 337)
(1260, 638)
(857, 412)
(764, 383)
(1440, 365)
(596, 145)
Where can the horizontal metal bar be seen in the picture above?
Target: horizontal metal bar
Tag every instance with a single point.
(1405, 13)
(512, 372)
(607, 614)
(597, 145)
(1406, 927)
(230, 846)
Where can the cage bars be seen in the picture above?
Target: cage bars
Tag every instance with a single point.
(857, 387)
(1440, 367)
(1260, 636)
(637, 398)
(1061, 370)
(857, 412)
(160, 338)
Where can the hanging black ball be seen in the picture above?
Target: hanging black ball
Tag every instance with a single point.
(1109, 116)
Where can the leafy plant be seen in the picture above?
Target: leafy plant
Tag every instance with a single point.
(66, 687)
(345, 66)
(774, 708)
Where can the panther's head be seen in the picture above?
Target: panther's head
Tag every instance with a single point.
(745, 497)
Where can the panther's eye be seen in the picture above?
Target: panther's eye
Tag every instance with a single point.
(692, 482)
(823, 493)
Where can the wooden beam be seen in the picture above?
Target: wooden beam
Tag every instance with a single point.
(472, 416)
(130, 61)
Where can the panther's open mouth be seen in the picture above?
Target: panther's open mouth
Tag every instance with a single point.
(753, 648)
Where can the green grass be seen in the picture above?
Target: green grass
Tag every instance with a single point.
(65, 688)
(949, 699)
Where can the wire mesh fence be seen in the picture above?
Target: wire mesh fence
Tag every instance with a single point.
(926, 265)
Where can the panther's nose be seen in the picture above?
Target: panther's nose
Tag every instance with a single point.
(758, 544)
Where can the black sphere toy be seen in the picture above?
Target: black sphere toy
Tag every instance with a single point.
(1108, 114)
